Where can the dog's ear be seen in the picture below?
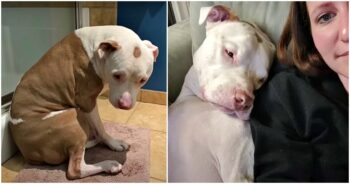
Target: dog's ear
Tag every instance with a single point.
(153, 48)
(217, 13)
(107, 47)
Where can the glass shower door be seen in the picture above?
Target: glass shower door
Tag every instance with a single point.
(29, 29)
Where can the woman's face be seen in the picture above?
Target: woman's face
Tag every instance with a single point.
(329, 29)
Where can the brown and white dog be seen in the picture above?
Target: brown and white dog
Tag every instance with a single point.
(54, 115)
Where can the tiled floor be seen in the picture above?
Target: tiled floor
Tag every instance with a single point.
(145, 115)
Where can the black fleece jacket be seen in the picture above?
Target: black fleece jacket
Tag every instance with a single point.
(300, 129)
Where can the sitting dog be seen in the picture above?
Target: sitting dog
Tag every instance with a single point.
(54, 116)
(209, 137)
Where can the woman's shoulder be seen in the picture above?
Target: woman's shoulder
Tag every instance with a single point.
(286, 80)
(293, 101)
(294, 115)
(292, 85)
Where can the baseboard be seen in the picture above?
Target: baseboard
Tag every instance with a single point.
(150, 96)
(147, 96)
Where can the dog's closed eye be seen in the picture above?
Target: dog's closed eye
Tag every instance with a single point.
(229, 53)
(261, 80)
(119, 76)
(232, 56)
(142, 80)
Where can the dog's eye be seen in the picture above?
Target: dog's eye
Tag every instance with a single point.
(142, 80)
(119, 76)
(261, 80)
(229, 53)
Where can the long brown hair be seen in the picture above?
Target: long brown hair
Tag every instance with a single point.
(297, 35)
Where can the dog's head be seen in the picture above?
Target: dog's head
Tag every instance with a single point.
(125, 62)
(232, 61)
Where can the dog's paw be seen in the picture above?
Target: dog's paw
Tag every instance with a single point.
(112, 167)
(118, 145)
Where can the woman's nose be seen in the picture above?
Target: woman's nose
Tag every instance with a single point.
(344, 26)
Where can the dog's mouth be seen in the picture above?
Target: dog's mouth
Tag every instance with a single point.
(242, 114)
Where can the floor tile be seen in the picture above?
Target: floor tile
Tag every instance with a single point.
(158, 155)
(154, 180)
(110, 113)
(152, 116)
(10, 168)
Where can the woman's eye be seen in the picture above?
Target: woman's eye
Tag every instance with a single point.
(325, 18)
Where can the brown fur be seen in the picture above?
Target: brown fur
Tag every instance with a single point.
(233, 16)
(137, 52)
(63, 79)
(56, 82)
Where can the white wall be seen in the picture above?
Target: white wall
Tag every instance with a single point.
(181, 10)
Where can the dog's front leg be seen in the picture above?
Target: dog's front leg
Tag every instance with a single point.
(95, 122)
(77, 168)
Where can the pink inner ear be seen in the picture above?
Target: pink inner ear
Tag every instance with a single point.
(155, 53)
(218, 14)
(153, 48)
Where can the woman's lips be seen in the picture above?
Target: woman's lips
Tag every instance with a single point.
(343, 54)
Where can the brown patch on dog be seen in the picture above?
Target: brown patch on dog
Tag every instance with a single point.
(258, 37)
(137, 52)
(233, 16)
(256, 34)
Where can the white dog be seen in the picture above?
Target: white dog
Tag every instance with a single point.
(209, 139)
(54, 116)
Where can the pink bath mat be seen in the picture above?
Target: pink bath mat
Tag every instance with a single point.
(136, 161)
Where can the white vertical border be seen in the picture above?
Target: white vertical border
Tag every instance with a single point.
(167, 93)
(82, 16)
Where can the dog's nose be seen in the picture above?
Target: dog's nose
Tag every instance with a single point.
(242, 100)
(125, 102)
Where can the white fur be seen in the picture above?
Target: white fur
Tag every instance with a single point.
(16, 121)
(109, 166)
(91, 37)
(203, 14)
(121, 60)
(92, 143)
(219, 75)
(52, 114)
(114, 144)
(207, 144)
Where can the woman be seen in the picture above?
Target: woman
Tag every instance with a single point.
(302, 135)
